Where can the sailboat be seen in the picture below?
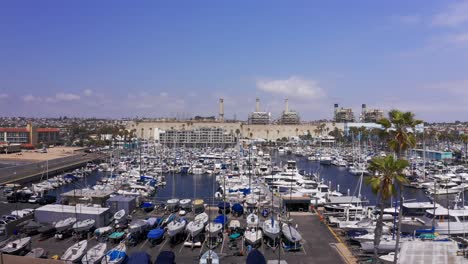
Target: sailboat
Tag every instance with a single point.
(75, 252)
(271, 228)
(292, 237)
(253, 236)
(95, 254)
(16, 246)
(203, 217)
(116, 255)
(176, 226)
(209, 257)
(252, 220)
(84, 225)
(119, 216)
(65, 224)
(36, 253)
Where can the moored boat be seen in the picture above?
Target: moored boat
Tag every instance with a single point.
(74, 253)
(95, 254)
(16, 246)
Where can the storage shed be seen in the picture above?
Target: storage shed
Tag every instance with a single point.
(119, 202)
(54, 212)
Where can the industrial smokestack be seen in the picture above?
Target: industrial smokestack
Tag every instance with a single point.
(257, 105)
(286, 105)
(221, 109)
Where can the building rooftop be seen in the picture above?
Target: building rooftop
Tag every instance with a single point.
(72, 209)
(47, 129)
(13, 129)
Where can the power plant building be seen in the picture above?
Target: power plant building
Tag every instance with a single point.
(370, 115)
(222, 132)
(289, 117)
(257, 117)
(343, 115)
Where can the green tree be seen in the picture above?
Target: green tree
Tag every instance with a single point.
(387, 173)
(399, 130)
(337, 134)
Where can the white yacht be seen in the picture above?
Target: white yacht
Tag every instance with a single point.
(447, 221)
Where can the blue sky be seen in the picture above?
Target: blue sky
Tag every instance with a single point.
(154, 58)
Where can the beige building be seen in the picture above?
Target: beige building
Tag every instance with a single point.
(152, 130)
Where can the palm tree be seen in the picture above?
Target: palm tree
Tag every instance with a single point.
(399, 128)
(387, 172)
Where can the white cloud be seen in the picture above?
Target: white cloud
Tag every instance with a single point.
(457, 39)
(457, 88)
(456, 14)
(31, 98)
(3, 95)
(67, 97)
(412, 19)
(294, 86)
(88, 92)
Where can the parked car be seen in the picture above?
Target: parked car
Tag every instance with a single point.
(47, 199)
(9, 218)
(13, 197)
(22, 213)
(33, 199)
(24, 197)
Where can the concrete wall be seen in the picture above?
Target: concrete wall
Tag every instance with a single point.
(147, 130)
(9, 259)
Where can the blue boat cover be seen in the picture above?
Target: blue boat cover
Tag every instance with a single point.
(238, 208)
(165, 257)
(147, 205)
(223, 205)
(116, 254)
(155, 233)
(255, 257)
(139, 258)
(222, 219)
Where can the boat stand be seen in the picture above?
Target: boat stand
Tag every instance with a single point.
(194, 242)
(273, 244)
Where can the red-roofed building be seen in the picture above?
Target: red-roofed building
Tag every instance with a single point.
(29, 135)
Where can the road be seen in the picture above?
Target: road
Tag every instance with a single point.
(29, 172)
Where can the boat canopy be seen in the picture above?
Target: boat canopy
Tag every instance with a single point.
(223, 205)
(165, 257)
(139, 258)
(221, 219)
(255, 257)
(238, 208)
(155, 233)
